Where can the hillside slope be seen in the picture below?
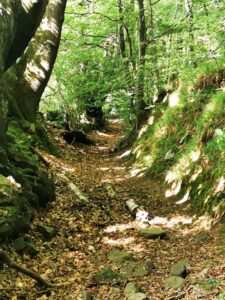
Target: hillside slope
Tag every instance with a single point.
(184, 140)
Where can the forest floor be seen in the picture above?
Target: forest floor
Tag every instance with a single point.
(92, 220)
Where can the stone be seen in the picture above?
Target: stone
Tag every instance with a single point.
(85, 295)
(116, 290)
(47, 231)
(19, 244)
(130, 289)
(107, 275)
(149, 265)
(31, 249)
(174, 282)
(120, 256)
(140, 271)
(200, 238)
(138, 296)
(180, 269)
(44, 188)
(153, 233)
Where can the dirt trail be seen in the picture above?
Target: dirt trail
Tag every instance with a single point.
(92, 219)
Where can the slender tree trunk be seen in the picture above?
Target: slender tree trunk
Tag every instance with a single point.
(121, 31)
(154, 56)
(189, 10)
(140, 104)
(29, 77)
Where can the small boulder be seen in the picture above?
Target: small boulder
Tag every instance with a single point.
(200, 238)
(134, 269)
(180, 269)
(149, 265)
(130, 289)
(107, 275)
(174, 282)
(19, 244)
(140, 271)
(47, 231)
(138, 296)
(153, 233)
(120, 256)
(85, 295)
(31, 249)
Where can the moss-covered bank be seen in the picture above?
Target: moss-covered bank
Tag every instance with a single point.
(24, 185)
(184, 140)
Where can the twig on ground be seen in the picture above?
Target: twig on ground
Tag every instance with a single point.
(8, 261)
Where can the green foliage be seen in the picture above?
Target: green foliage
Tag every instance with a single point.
(182, 78)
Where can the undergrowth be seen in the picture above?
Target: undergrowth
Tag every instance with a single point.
(185, 140)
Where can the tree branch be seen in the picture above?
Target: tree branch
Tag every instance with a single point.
(8, 261)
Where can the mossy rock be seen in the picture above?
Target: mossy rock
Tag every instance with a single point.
(180, 269)
(138, 296)
(47, 231)
(120, 256)
(107, 275)
(134, 269)
(131, 289)
(153, 233)
(44, 188)
(200, 238)
(19, 244)
(174, 282)
(14, 210)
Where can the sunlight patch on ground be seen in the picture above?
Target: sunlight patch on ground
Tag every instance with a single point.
(119, 227)
(174, 99)
(171, 223)
(203, 223)
(115, 121)
(115, 178)
(102, 148)
(185, 198)
(103, 134)
(142, 131)
(220, 185)
(119, 168)
(138, 151)
(125, 154)
(118, 242)
(104, 169)
(53, 161)
(137, 172)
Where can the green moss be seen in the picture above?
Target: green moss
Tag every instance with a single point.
(187, 143)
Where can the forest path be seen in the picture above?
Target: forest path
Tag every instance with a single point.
(92, 219)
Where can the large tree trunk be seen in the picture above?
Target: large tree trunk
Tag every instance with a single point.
(29, 77)
(18, 22)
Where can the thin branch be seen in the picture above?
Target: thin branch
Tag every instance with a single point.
(94, 13)
(8, 261)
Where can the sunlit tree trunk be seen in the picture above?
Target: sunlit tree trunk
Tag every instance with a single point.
(29, 77)
(140, 104)
(154, 55)
(18, 22)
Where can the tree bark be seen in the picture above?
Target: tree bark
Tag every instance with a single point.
(121, 30)
(140, 104)
(29, 77)
(18, 22)
(189, 10)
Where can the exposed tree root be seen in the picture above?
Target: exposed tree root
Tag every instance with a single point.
(8, 261)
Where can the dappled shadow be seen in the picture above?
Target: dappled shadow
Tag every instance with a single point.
(92, 219)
